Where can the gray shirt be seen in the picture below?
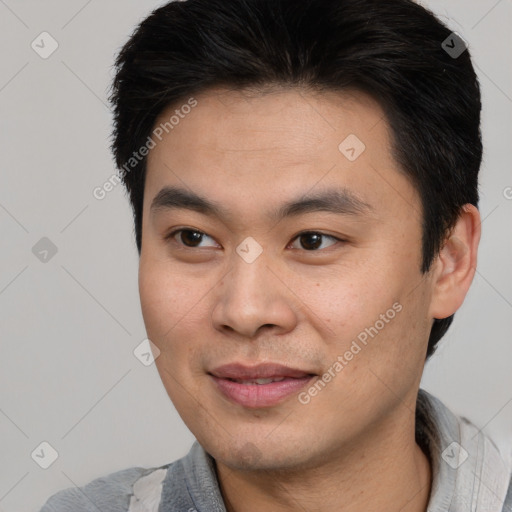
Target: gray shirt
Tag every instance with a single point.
(468, 474)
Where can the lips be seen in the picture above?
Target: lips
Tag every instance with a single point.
(264, 385)
(258, 381)
(239, 372)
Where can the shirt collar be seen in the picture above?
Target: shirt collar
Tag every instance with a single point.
(468, 472)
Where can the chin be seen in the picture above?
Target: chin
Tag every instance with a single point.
(245, 455)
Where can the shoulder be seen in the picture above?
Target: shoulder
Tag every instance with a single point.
(469, 470)
(126, 490)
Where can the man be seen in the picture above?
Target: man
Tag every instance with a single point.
(303, 176)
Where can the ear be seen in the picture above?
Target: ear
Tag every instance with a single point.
(455, 266)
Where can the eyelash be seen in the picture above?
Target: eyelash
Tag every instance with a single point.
(173, 233)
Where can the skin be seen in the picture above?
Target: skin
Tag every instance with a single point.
(352, 447)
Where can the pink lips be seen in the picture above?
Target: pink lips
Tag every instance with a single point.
(253, 395)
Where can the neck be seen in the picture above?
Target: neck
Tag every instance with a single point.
(386, 470)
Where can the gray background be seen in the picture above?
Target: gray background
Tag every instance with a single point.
(68, 375)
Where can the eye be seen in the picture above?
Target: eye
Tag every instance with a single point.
(312, 240)
(192, 238)
(189, 237)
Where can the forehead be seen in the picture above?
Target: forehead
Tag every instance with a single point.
(291, 112)
(279, 142)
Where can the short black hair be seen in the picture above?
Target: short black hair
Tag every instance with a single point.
(397, 51)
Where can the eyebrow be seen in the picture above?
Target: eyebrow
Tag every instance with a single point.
(337, 201)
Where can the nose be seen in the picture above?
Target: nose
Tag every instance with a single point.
(253, 297)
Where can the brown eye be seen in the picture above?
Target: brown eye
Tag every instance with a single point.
(312, 240)
(189, 237)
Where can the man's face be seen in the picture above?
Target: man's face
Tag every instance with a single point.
(348, 291)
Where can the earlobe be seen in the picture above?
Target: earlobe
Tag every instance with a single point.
(455, 265)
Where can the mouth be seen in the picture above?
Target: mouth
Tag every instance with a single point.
(264, 385)
(259, 381)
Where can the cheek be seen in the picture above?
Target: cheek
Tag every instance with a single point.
(346, 298)
(176, 316)
(367, 309)
(167, 309)
(166, 299)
